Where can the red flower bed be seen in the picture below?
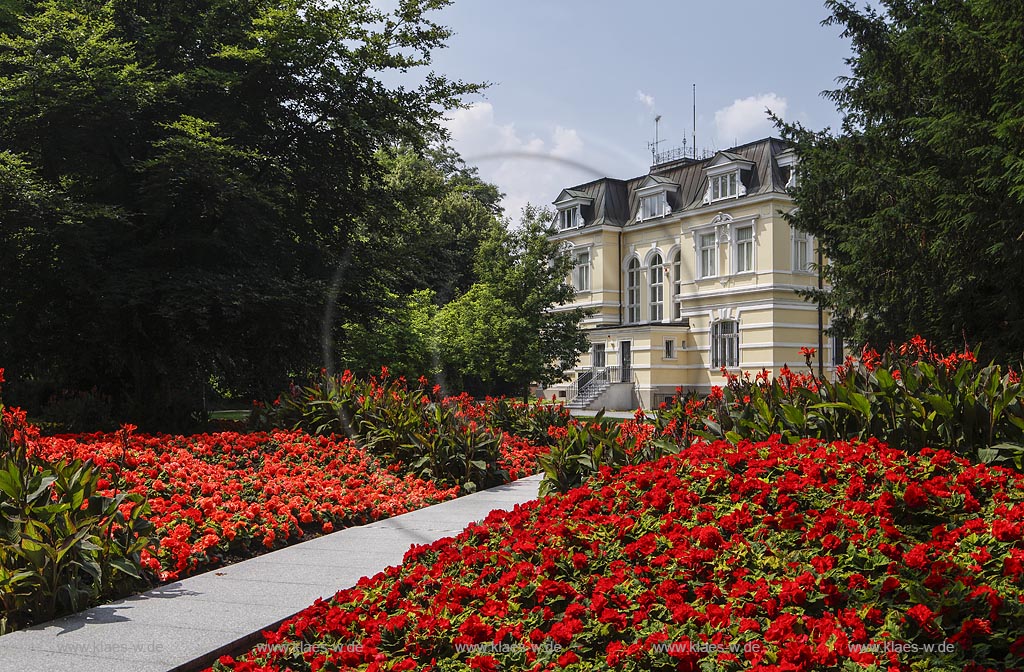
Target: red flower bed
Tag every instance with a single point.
(763, 556)
(228, 494)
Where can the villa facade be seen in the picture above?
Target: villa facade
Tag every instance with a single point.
(689, 268)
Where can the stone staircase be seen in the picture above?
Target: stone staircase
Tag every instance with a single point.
(589, 385)
(590, 393)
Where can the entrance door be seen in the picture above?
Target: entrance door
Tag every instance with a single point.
(626, 361)
(597, 360)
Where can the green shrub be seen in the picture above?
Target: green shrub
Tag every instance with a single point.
(63, 546)
(579, 449)
(452, 451)
(450, 441)
(530, 421)
(910, 397)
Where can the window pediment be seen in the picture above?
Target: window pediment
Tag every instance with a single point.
(725, 162)
(572, 197)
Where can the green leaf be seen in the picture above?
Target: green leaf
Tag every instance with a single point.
(42, 487)
(793, 415)
(940, 404)
(10, 481)
(989, 455)
(885, 381)
(126, 566)
(861, 404)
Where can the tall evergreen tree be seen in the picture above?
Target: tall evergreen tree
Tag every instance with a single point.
(918, 201)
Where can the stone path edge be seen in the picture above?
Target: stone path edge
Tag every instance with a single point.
(187, 625)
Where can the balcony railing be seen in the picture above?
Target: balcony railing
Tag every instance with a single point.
(677, 153)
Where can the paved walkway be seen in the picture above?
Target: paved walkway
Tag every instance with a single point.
(615, 415)
(186, 625)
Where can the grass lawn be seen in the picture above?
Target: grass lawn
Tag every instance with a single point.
(242, 414)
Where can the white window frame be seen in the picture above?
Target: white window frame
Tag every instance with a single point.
(739, 255)
(791, 177)
(653, 206)
(725, 186)
(656, 293)
(581, 271)
(677, 284)
(801, 238)
(570, 218)
(725, 178)
(725, 345)
(632, 286)
(707, 268)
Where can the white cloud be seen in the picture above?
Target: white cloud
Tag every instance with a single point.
(567, 143)
(646, 99)
(747, 119)
(528, 166)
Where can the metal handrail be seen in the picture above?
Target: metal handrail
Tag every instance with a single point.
(600, 378)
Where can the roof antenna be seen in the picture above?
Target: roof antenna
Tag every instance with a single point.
(695, 121)
(654, 145)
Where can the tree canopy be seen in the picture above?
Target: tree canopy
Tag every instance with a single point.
(918, 200)
(190, 190)
(514, 326)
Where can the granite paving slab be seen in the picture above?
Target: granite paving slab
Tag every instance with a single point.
(185, 625)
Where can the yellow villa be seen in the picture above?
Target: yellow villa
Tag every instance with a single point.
(689, 268)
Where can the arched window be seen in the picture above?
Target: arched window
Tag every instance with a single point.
(657, 289)
(677, 285)
(633, 291)
(725, 344)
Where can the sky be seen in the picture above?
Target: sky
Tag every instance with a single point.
(576, 84)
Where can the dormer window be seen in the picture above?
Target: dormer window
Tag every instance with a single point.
(654, 193)
(787, 168)
(571, 204)
(569, 218)
(725, 177)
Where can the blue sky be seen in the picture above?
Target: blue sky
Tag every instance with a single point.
(577, 84)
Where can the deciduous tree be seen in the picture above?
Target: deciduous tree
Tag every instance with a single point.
(515, 326)
(183, 180)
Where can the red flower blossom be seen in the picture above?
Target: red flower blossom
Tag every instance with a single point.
(915, 496)
(921, 615)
